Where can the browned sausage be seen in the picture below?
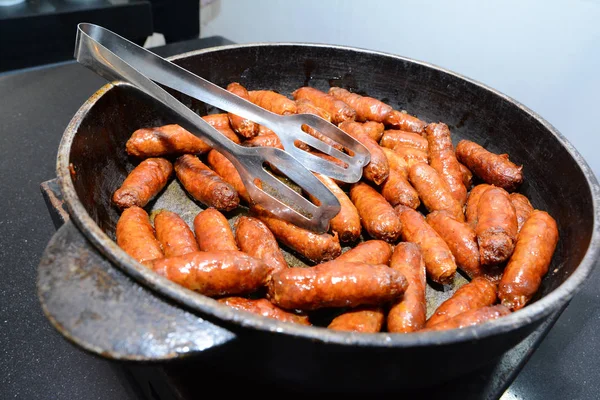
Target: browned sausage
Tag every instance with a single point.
(374, 129)
(312, 246)
(396, 189)
(135, 235)
(255, 239)
(338, 110)
(273, 101)
(460, 238)
(367, 108)
(305, 106)
(530, 261)
(214, 273)
(243, 126)
(392, 138)
(376, 214)
(411, 155)
(204, 185)
(335, 284)
(265, 308)
(266, 140)
(163, 141)
(473, 202)
(496, 227)
(174, 234)
(368, 252)
(467, 176)
(213, 232)
(523, 208)
(396, 161)
(143, 183)
(377, 169)
(365, 319)
(471, 317)
(434, 191)
(221, 123)
(227, 171)
(347, 222)
(443, 159)
(495, 169)
(476, 294)
(409, 313)
(404, 121)
(439, 261)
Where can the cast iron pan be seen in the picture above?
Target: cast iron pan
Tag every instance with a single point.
(154, 319)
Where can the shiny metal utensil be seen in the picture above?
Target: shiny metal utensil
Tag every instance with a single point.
(116, 58)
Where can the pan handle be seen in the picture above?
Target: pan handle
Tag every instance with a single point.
(99, 308)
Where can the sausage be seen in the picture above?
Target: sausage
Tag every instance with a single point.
(214, 273)
(213, 232)
(476, 294)
(443, 159)
(392, 138)
(265, 308)
(365, 319)
(374, 129)
(174, 234)
(377, 170)
(221, 123)
(228, 172)
(405, 122)
(439, 261)
(164, 141)
(530, 261)
(135, 235)
(396, 161)
(496, 227)
(255, 239)
(495, 169)
(347, 222)
(396, 189)
(471, 317)
(243, 126)
(204, 185)
(338, 110)
(473, 202)
(433, 190)
(305, 106)
(367, 108)
(368, 252)
(467, 176)
(461, 240)
(377, 216)
(411, 155)
(409, 313)
(523, 208)
(335, 284)
(273, 101)
(143, 183)
(312, 246)
(266, 140)
(263, 130)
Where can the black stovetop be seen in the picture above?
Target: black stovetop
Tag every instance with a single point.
(37, 362)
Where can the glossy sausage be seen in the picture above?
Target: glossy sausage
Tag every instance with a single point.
(143, 183)
(530, 261)
(163, 141)
(365, 319)
(439, 261)
(523, 208)
(377, 169)
(243, 126)
(367, 108)
(434, 191)
(411, 155)
(368, 252)
(392, 138)
(467, 176)
(338, 110)
(335, 284)
(305, 106)
(472, 317)
(204, 185)
(495, 169)
(227, 171)
(266, 140)
(174, 234)
(135, 235)
(221, 123)
(255, 239)
(213, 232)
(396, 189)
(374, 130)
(265, 308)
(405, 122)
(215, 273)
(473, 202)
(273, 101)
(409, 313)
(376, 214)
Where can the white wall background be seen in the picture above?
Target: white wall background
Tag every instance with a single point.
(546, 54)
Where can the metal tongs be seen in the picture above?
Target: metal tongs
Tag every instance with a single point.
(116, 58)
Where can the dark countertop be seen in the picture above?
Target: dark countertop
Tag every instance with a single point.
(37, 362)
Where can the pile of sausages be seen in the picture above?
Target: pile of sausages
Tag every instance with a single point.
(423, 210)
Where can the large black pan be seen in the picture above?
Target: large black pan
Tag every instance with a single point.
(557, 180)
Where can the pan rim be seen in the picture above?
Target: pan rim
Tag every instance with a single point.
(198, 303)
